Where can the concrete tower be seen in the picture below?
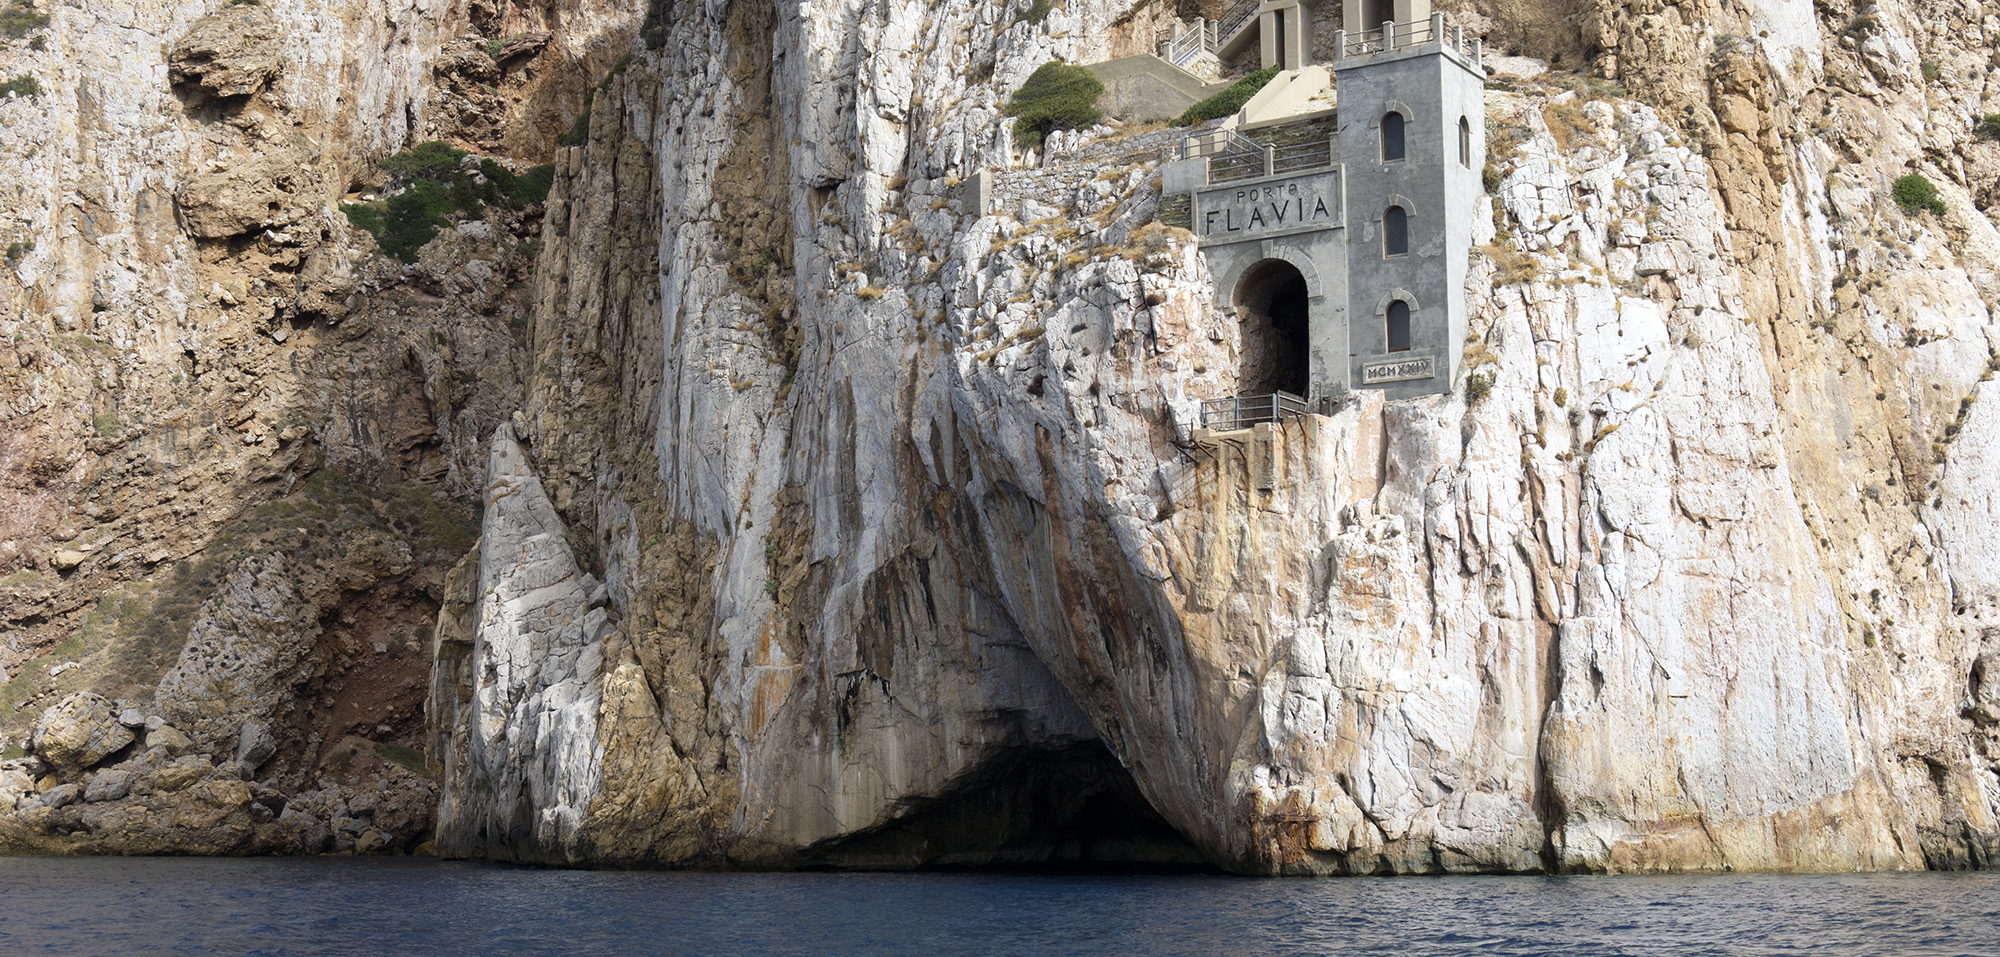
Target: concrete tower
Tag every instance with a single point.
(1413, 143)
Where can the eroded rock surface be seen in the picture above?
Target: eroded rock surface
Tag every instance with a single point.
(234, 52)
(885, 486)
(826, 520)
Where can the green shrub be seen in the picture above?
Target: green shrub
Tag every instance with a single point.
(1988, 126)
(522, 191)
(1490, 178)
(20, 18)
(435, 189)
(411, 218)
(1228, 101)
(1914, 193)
(19, 249)
(533, 186)
(23, 85)
(432, 160)
(1057, 96)
(366, 216)
(654, 29)
(495, 45)
(1479, 385)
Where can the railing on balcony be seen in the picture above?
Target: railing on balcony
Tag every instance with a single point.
(1232, 156)
(1244, 411)
(1215, 142)
(1399, 36)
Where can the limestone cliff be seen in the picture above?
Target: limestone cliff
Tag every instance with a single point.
(842, 522)
(240, 448)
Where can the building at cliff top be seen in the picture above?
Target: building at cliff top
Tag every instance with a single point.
(1343, 251)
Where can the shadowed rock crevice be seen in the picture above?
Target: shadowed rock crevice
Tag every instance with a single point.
(1073, 808)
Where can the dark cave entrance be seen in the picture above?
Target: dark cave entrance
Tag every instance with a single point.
(1069, 809)
(1273, 307)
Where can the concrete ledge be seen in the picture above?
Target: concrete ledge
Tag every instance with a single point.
(1288, 120)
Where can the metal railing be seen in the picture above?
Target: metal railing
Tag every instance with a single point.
(1236, 20)
(1215, 142)
(1190, 44)
(1244, 411)
(1239, 164)
(1312, 154)
(1394, 36)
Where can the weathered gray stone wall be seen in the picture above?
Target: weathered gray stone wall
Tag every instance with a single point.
(1431, 91)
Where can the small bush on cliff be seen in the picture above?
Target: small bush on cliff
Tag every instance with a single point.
(1914, 193)
(1988, 126)
(1479, 385)
(22, 85)
(433, 160)
(1057, 96)
(433, 188)
(1229, 100)
(579, 131)
(20, 18)
(519, 191)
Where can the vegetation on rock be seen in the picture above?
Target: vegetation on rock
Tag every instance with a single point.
(1914, 193)
(20, 18)
(434, 188)
(1057, 96)
(1228, 101)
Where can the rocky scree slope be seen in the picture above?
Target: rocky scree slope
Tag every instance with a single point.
(836, 509)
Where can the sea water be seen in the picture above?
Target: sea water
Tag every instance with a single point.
(361, 906)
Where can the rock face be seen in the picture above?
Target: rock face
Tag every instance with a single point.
(233, 52)
(824, 519)
(889, 495)
(530, 723)
(78, 732)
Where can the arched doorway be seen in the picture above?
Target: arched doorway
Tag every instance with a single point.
(1274, 313)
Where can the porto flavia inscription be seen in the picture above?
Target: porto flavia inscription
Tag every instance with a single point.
(1247, 212)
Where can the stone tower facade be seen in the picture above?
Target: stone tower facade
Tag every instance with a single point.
(1413, 142)
(1350, 262)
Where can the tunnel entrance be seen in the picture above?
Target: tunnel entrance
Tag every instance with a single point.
(1273, 309)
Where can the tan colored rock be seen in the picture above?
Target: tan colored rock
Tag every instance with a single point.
(268, 191)
(233, 52)
(78, 732)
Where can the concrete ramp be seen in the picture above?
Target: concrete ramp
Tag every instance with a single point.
(1288, 93)
(1147, 87)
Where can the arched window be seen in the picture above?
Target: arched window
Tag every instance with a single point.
(1392, 137)
(1399, 326)
(1464, 143)
(1395, 232)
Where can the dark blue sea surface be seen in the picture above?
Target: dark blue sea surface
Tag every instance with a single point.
(107, 906)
